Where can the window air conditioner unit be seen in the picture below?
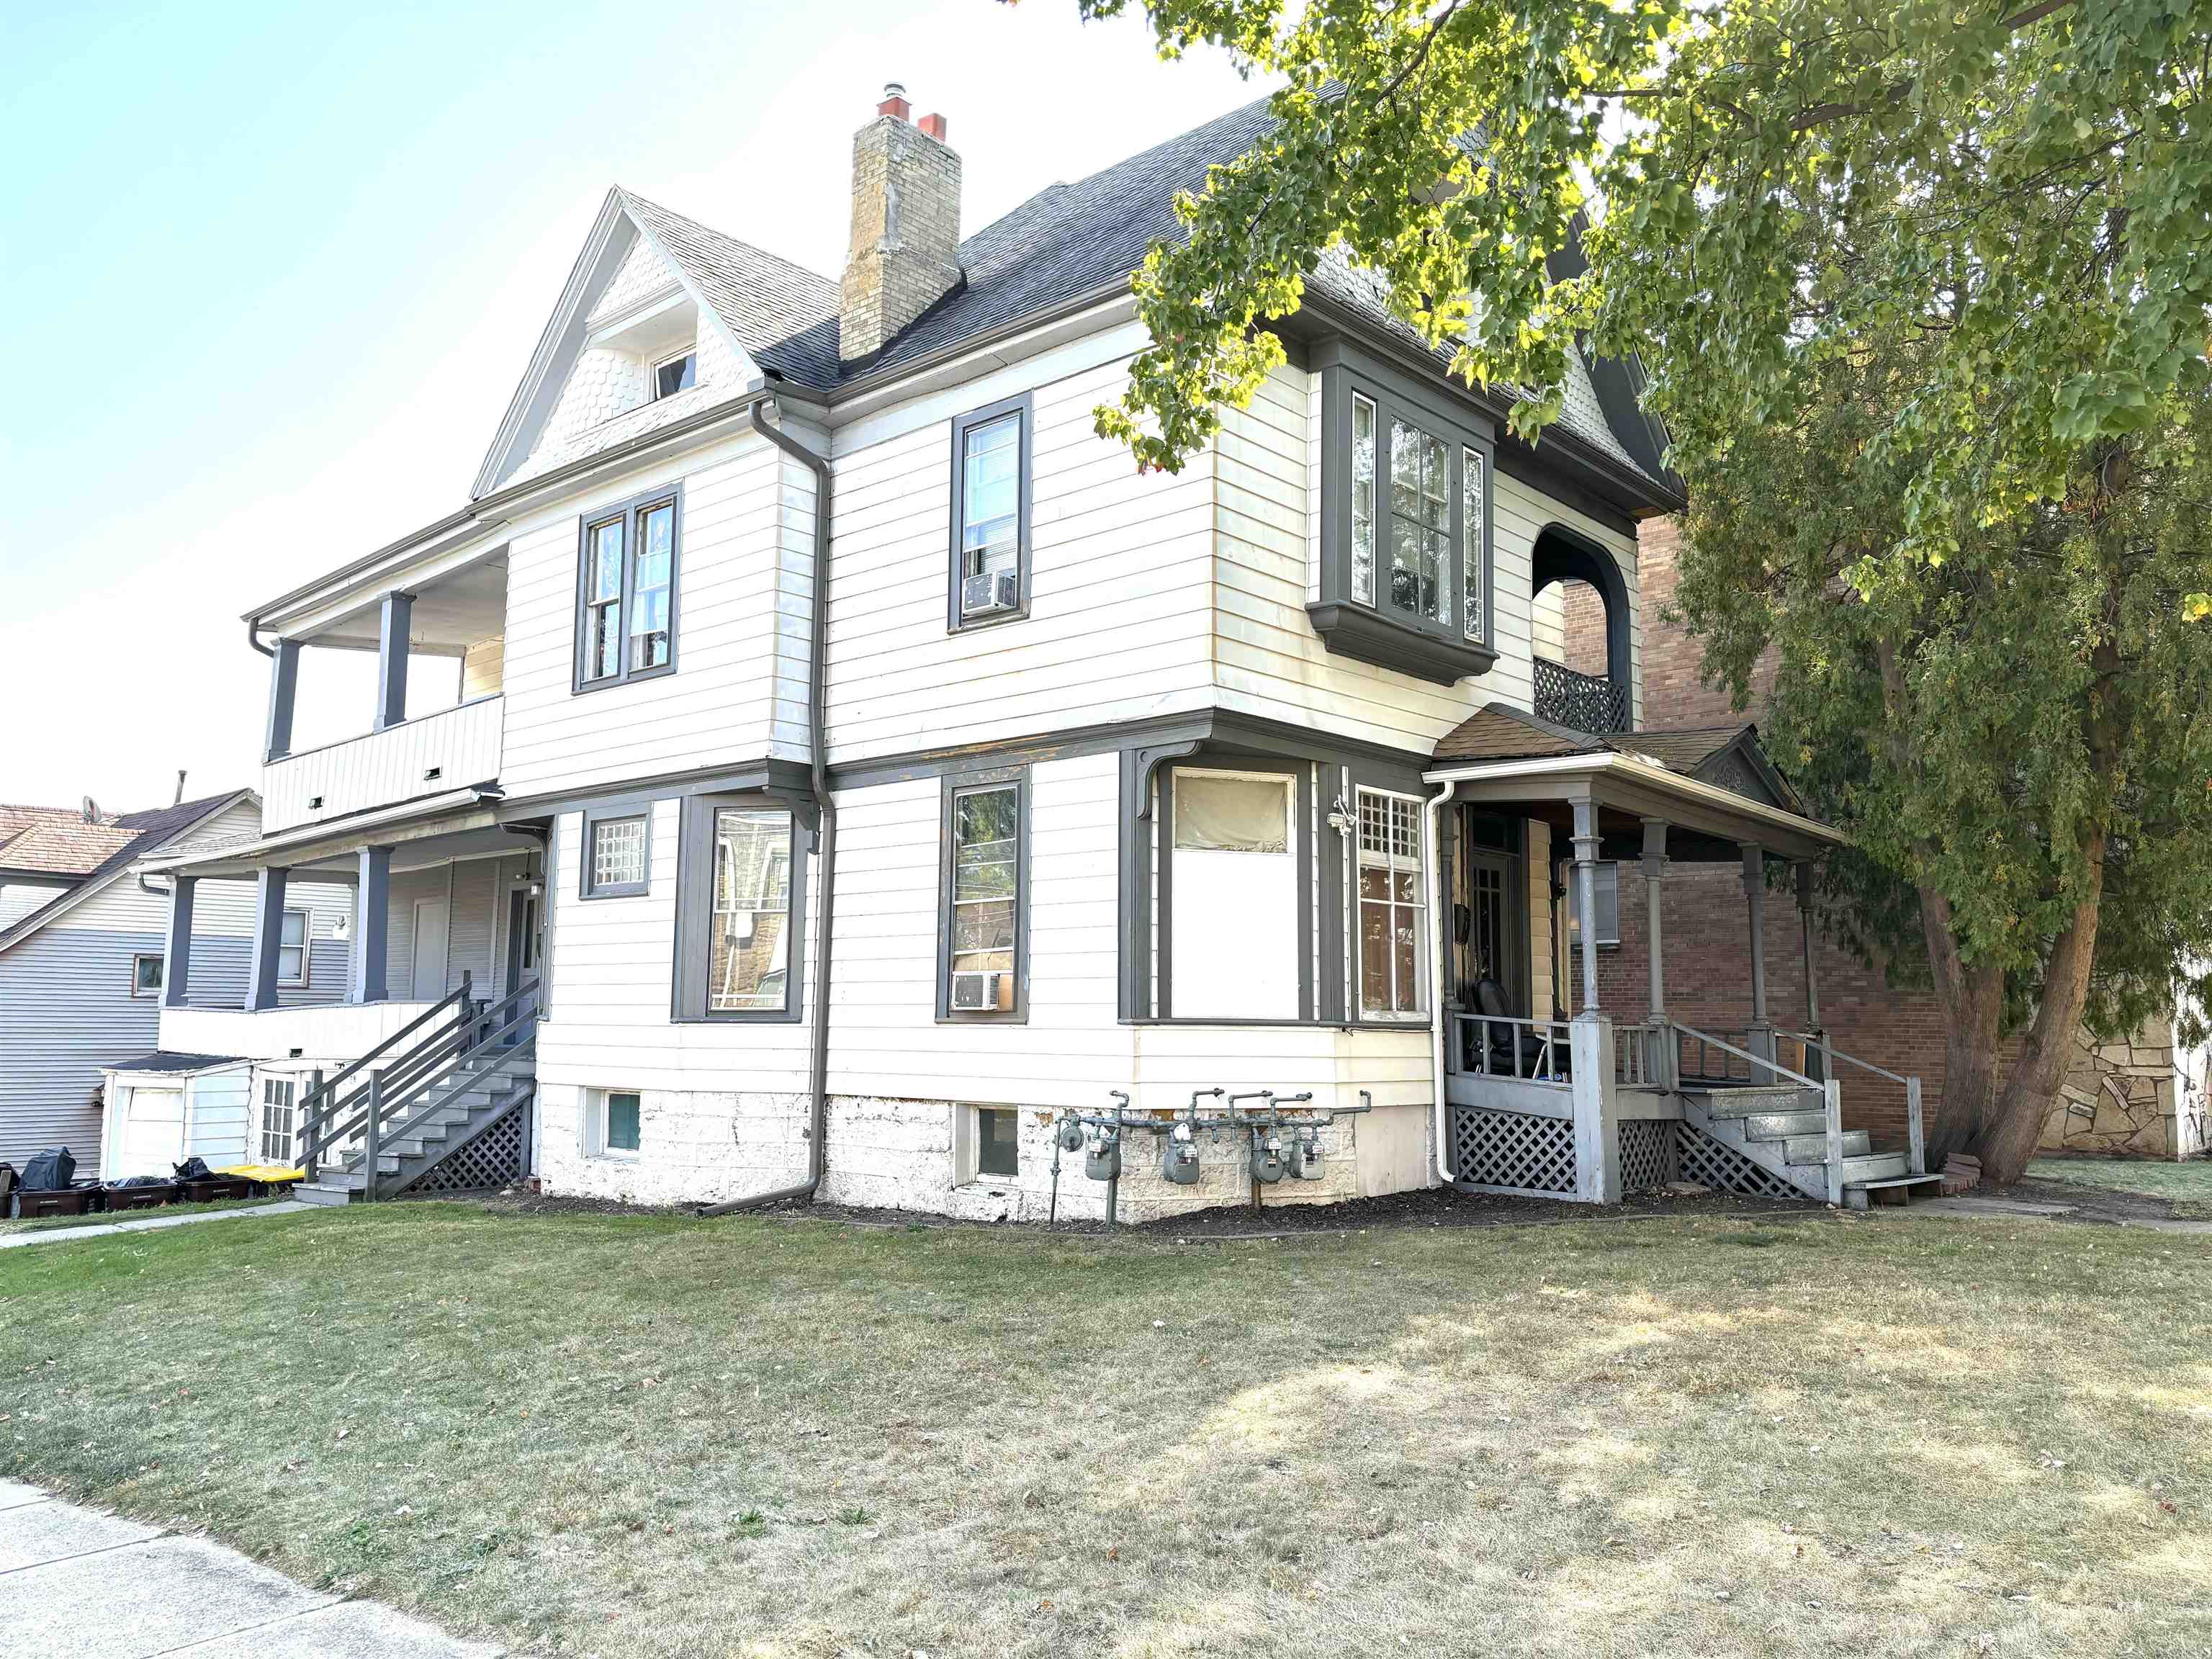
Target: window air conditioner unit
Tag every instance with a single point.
(980, 993)
(991, 593)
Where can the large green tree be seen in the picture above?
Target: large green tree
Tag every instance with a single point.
(1921, 290)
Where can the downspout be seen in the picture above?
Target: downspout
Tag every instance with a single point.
(253, 637)
(817, 1068)
(1439, 1126)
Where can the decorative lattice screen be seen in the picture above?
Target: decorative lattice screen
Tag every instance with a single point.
(1703, 1158)
(1513, 1149)
(1647, 1153)
(493, 1159)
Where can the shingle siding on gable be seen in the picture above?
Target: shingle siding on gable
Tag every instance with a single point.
(643, 273)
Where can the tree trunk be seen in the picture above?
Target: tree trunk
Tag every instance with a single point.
(2009, 1139)
(1972, 1001)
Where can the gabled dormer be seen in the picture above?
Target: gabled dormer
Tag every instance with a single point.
(661, 318)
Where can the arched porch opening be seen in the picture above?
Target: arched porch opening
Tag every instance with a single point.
(1567, 690)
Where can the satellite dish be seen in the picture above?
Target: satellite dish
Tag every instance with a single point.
(91, 810)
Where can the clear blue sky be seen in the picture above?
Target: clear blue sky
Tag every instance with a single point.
(269, 275)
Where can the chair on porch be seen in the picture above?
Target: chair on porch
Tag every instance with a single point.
(1494, 1001)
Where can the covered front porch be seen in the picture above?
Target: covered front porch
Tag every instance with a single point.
(1544, 1089)
(428, 906)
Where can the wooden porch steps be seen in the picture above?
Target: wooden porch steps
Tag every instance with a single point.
(1784, 1131)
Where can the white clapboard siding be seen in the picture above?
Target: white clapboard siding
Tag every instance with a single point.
(460, 744)
(1118, 622)
(742, 578)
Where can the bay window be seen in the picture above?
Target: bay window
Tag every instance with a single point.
(1406, 522)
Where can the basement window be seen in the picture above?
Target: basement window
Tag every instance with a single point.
(673, 374)
(998, 1150)
(613, 1123)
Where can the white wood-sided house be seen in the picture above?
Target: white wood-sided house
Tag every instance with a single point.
(858, 762)
(82, 964)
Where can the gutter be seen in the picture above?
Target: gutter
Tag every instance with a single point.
(817, 1065)
(1439, 1116)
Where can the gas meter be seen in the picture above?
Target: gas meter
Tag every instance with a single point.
(1179, 1156)
(1305, 1156)
(1103, 1160)
(1267, 1156)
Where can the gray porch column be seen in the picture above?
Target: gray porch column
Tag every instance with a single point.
(1655, 872)
(1586, 847)
(1754, 894)
(369, 982)
(283, 686)
(268, 939)
(1805, 916)
(391, 659)
(177, 957)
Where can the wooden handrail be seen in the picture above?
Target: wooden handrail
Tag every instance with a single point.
(1775, 1066)
(1812, 1042)
(422, 1068)
(308, 1118)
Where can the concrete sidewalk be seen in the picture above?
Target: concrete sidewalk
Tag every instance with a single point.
(149, 1223)
(74, 1582)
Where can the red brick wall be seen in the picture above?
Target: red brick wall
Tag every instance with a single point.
(1674, 695)
(1582, 608)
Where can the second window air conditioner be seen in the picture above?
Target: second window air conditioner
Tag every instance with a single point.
(981, 993)
(993, 591)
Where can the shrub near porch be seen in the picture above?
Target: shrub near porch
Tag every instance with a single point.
(654, 1436)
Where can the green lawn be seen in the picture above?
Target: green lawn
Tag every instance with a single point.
(649, 1436)
(2188, 1186)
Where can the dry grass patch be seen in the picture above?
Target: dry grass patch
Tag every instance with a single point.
(648, 1435)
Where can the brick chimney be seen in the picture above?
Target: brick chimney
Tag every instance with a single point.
(905, 252)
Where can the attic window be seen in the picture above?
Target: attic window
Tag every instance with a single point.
(673, 374)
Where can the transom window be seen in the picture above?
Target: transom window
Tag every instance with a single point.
(618, 855)
(1393, 959)
(750, 943)
(279, 1118)
(626, 594)
(291, 949)
(990, 513)
(983, 941)
(673, 374)
(1405, 551)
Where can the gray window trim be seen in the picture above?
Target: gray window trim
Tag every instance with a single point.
(1379, 633)
(953, 785)
(137, 956)
(695, 913)
(1024, 405)
(306, 950)
(629, 511)
(593, 817)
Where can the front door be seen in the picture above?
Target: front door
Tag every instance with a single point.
(522, 947)
(153, 1132)
(428, 983)
(1495, 945)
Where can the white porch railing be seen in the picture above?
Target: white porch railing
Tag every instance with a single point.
(321, 1031)
(449, 750)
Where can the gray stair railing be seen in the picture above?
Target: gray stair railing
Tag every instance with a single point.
(1916, 1135)
(324, 1103)
(390, 1107)
(1831, 1095)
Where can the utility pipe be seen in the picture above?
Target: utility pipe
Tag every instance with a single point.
(817, 1069)
(1439, 1126)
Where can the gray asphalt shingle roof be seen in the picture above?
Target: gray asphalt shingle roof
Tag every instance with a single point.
(1066, 241)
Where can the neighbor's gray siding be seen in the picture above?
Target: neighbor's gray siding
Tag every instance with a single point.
(65, 1011)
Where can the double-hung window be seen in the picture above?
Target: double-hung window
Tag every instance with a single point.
(291, 949)
(1405, 576)
(1606, 880)
(279, 1118)
(1393, 957)
(626, 591)
(990, 570)
(982, 932)
(741, 884)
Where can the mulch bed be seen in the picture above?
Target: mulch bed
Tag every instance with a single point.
(1433, 1206)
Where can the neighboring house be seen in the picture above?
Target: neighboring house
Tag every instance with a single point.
(82, 954)
(855, 750)
(2140, 1097)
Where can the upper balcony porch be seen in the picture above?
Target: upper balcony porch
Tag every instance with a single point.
(435, 721)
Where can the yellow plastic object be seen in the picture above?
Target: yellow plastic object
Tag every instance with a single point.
(264, 1172)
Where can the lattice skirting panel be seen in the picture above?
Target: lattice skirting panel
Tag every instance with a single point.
(1702, 1158)
(1513, 1149)
(492, 1160)
(1647, 1153)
